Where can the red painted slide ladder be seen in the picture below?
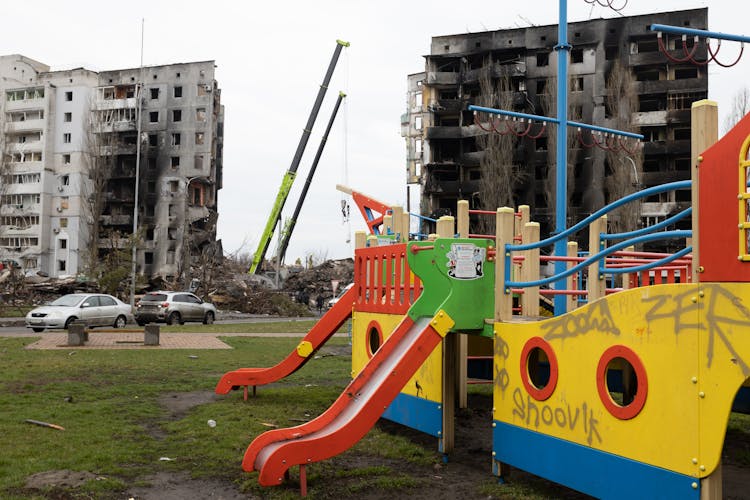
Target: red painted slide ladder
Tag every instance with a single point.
(315, 338)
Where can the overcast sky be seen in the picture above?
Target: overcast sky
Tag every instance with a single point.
(271, 58)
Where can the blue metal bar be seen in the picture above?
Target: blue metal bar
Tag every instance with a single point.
(602, 211)
(678, 30)
(514, 114)
(649, 265)
(649, 229)
(600, 255)
(605, 130)
(548, 119)
(422, 217)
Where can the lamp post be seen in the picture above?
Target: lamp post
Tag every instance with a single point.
(139, 126)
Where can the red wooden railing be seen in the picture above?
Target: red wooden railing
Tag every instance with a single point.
(383, 280)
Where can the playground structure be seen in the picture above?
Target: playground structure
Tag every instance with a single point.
(633, 378)
(660, 357)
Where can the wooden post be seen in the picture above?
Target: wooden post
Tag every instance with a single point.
(596, 284)
(462, 220)
(388, 224)
(530, 297)
(446, 229)
(704, 132)
(711, 488)
(525, 218)
(519, 231)
(462, 228)
(360, 239)
(504, 235)
(570, 282)
(627, 278)
(372, 240)
(446, 226)
(398, 219)
(406, 226)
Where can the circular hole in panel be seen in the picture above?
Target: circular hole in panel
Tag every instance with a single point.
(374, 338)
(621, 382)
(539, 368)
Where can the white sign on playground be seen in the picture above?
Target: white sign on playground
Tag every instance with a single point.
(465, 261)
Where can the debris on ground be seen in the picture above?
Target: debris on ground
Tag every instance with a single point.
(44, 424)
(298, 292)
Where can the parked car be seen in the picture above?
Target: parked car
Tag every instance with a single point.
(173, 307)
(95, 309)
(332, 302)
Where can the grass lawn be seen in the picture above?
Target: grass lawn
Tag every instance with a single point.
(14, 311)
(117, 428)
(301, 326)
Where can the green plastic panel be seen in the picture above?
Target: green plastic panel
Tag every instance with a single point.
(457, 277)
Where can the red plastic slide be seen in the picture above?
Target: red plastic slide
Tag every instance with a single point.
(353, 414)
(315, 338)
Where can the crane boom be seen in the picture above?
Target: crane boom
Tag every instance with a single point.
(289, 227)
(288, 179)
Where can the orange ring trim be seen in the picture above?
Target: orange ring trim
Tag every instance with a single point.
(635, 406)
(544, 393)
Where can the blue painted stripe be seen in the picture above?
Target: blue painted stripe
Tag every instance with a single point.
(418, 413)
(585, 469)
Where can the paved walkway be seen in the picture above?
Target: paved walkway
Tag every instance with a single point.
(134, 340)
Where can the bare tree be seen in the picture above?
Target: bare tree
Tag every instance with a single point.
(626, 165)
(499, 175)
(548, 102)
(208, 263)
(99, 151)
(740, 107)
(114, 270)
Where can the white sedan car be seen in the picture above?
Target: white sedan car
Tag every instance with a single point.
(95, 309)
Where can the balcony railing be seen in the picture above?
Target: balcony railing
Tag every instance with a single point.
(105, 104)
(24, 126)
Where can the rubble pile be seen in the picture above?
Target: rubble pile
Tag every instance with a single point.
(315, 282)
(227, 285)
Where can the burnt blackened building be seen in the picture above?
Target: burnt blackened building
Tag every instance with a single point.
(180, 164)
(618, 79)
(68, 178)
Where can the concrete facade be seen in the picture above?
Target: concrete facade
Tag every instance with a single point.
(445, 156)
(73, 135)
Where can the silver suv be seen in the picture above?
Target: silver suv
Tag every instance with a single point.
(172, 308)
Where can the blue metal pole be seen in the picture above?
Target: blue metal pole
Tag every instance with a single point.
(677, 30)
(561, 193)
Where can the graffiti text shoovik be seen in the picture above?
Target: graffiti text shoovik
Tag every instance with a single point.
(535, 413)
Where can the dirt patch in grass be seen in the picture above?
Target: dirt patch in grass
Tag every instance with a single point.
(467, 473)
(179, 485)
(178, 404)
(58, 479)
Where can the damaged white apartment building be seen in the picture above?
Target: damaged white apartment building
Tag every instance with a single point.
(70, 149)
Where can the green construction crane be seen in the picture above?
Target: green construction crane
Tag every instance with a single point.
(288, 180)
(286, 234)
